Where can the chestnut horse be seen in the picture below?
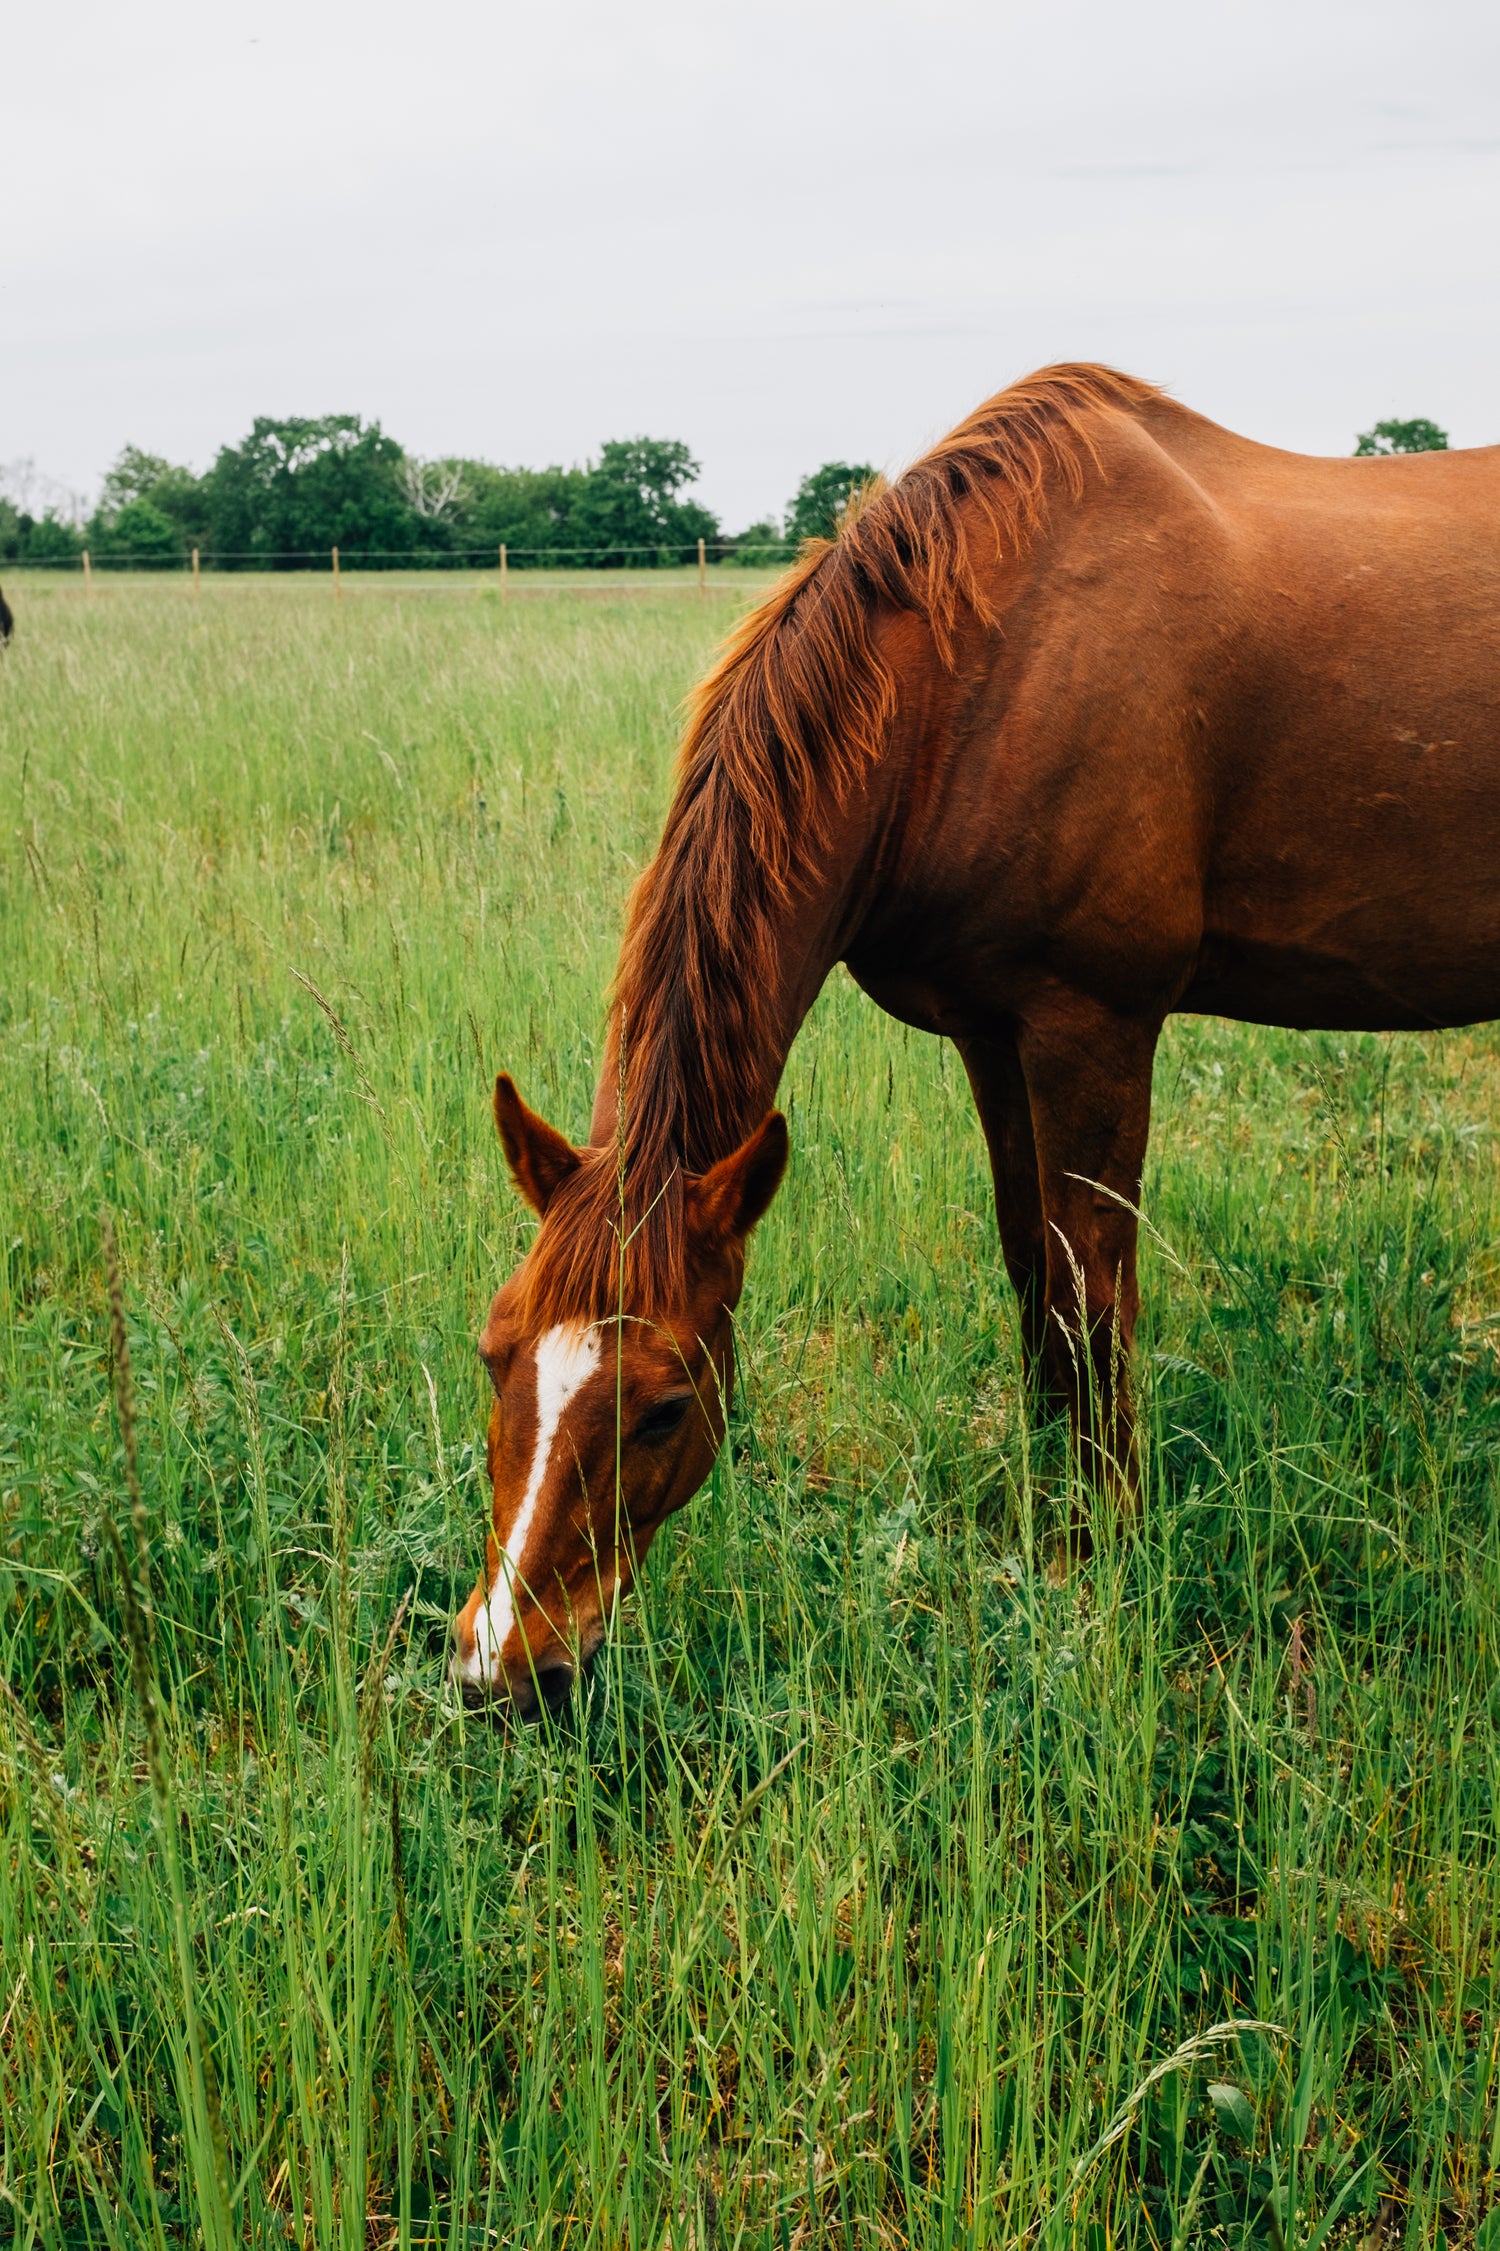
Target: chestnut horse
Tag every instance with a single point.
(1097, 713)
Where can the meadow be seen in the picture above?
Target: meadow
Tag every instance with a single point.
(890, 1883)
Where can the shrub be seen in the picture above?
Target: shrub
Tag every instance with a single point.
(48, 539)
(140, 533)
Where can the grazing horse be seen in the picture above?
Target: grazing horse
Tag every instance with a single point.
(7, 622)
(1098, 712)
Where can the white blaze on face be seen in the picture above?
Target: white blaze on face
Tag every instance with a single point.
(565, 1359)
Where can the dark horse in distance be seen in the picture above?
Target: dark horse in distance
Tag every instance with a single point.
(1098, 712)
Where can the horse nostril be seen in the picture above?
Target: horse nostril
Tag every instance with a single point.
(554, 1685)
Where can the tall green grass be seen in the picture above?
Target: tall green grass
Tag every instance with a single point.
(883, 1862)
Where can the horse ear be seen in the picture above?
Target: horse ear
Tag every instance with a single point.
(733, 1194)
(540, 1159)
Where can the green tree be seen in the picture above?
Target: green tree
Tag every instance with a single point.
(1418, 436)
(138, 477)
(820, 500)
(134, 475)
(629, 505)
(297, 487)
(527, 509)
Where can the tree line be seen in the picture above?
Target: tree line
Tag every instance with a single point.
(294, 488)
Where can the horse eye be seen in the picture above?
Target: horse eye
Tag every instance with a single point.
(660, 1420)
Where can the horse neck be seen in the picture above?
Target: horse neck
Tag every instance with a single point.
(746, 1008)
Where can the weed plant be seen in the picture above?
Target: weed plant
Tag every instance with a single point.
(883, 1862)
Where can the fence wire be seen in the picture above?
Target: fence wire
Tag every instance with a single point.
(246, 560)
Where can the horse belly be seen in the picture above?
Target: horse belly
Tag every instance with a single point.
(1352, 863)
(1359, 891)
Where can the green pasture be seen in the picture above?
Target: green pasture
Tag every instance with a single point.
(884, 1864)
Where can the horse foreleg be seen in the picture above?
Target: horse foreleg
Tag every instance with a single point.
(1004, 1106)
(1088, 1075)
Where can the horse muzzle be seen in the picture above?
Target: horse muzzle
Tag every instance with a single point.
(526, 1696)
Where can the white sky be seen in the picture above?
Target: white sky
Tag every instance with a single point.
(785, 231)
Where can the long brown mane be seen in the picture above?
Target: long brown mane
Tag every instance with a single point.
(797, 706)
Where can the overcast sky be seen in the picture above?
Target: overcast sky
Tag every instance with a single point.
(786, 231)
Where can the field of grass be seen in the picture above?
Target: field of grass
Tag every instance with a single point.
(883, 1863)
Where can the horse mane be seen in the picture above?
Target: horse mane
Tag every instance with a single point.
(797, 706)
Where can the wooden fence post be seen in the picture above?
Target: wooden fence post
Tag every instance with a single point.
(504, 574)
(338, 585)
(88, 573)
(702, 571)
(195, 574)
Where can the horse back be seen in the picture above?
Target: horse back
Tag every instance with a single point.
(1233, 740)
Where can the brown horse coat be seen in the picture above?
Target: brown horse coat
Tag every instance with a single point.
(1099, 712)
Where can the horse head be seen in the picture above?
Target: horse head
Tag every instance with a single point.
(606, 1416)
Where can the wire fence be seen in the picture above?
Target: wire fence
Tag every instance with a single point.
(503, 558)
